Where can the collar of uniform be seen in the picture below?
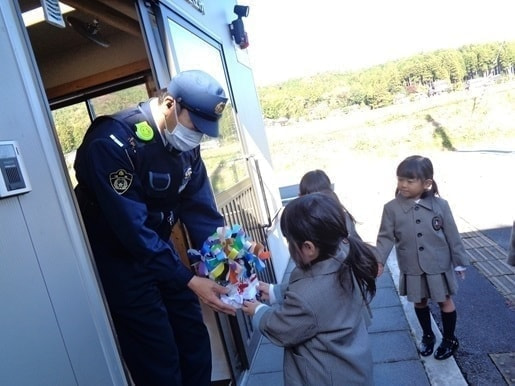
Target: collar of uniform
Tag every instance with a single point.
(407, 203)
(147, 111)
(144, 107)
(323, 267)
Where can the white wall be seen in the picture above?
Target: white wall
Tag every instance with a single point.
(54, 328)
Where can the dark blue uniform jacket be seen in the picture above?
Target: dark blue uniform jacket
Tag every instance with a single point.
(131, 191)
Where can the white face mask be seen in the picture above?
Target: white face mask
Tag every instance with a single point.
(182, 138)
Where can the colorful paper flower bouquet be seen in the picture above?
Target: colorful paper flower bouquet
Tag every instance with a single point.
(232, 260)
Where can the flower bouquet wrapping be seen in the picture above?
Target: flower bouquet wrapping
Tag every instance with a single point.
(232, 260)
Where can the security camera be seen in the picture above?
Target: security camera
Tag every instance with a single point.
(241, 10)
(237, 28)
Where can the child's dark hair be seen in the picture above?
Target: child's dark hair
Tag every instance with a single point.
(420, 168)
(314, 181)
(318, 181)
(320, 218)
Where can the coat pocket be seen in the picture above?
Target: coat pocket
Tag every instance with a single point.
(442, 257)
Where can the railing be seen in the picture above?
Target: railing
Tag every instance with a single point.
(239, 205)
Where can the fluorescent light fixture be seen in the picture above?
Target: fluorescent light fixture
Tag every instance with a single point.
(36, 15)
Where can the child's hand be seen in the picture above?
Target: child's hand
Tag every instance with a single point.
(249, 307)
(380, 269)
(264, 290)
(460, 271)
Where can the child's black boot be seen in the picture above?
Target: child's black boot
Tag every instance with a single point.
(447, 348)
(427, 345)
(428, 339)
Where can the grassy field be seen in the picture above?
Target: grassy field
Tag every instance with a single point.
(461, 120)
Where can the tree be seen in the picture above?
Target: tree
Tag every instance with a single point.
(470, 61)
(453, 64)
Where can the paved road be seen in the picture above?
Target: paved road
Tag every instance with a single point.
(486, 321)
(500, 235)
(486, 324)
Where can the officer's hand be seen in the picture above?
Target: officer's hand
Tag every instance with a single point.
(209, 292)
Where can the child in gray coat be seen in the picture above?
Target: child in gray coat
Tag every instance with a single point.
(429, 249)
(319, 318)
(318, 181)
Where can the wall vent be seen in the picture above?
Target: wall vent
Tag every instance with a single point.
(52, 12)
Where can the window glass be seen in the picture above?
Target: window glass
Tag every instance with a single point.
(222, 155)
(71, 122)
(119, 100)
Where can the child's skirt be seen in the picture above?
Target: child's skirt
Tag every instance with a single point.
(428, 286)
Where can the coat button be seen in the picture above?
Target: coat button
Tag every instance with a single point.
(419, 234)
(417, 221)
(420, 248)
(417, 207)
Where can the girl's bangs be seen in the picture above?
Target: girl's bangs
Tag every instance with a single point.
(410, 170)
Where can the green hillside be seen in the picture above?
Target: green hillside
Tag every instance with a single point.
(383, 85)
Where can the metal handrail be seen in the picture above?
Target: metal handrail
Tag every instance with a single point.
(239, 205)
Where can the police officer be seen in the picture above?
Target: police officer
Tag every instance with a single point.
(138, 171)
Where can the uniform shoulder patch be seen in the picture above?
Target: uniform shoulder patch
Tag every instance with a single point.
(144, 131)
(120, 180)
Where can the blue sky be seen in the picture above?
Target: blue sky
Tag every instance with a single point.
(293, 38)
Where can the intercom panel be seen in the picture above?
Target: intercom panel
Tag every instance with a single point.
(13, 175)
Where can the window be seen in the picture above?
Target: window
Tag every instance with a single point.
(72, 121)
(118, 100)
(223, 156)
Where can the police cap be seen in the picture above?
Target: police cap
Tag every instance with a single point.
(200, 94)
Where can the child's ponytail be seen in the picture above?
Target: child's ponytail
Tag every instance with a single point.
(320, 218)
(363, 265)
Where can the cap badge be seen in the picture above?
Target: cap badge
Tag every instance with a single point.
(219, 108)
(144, 131)
(120, 181)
